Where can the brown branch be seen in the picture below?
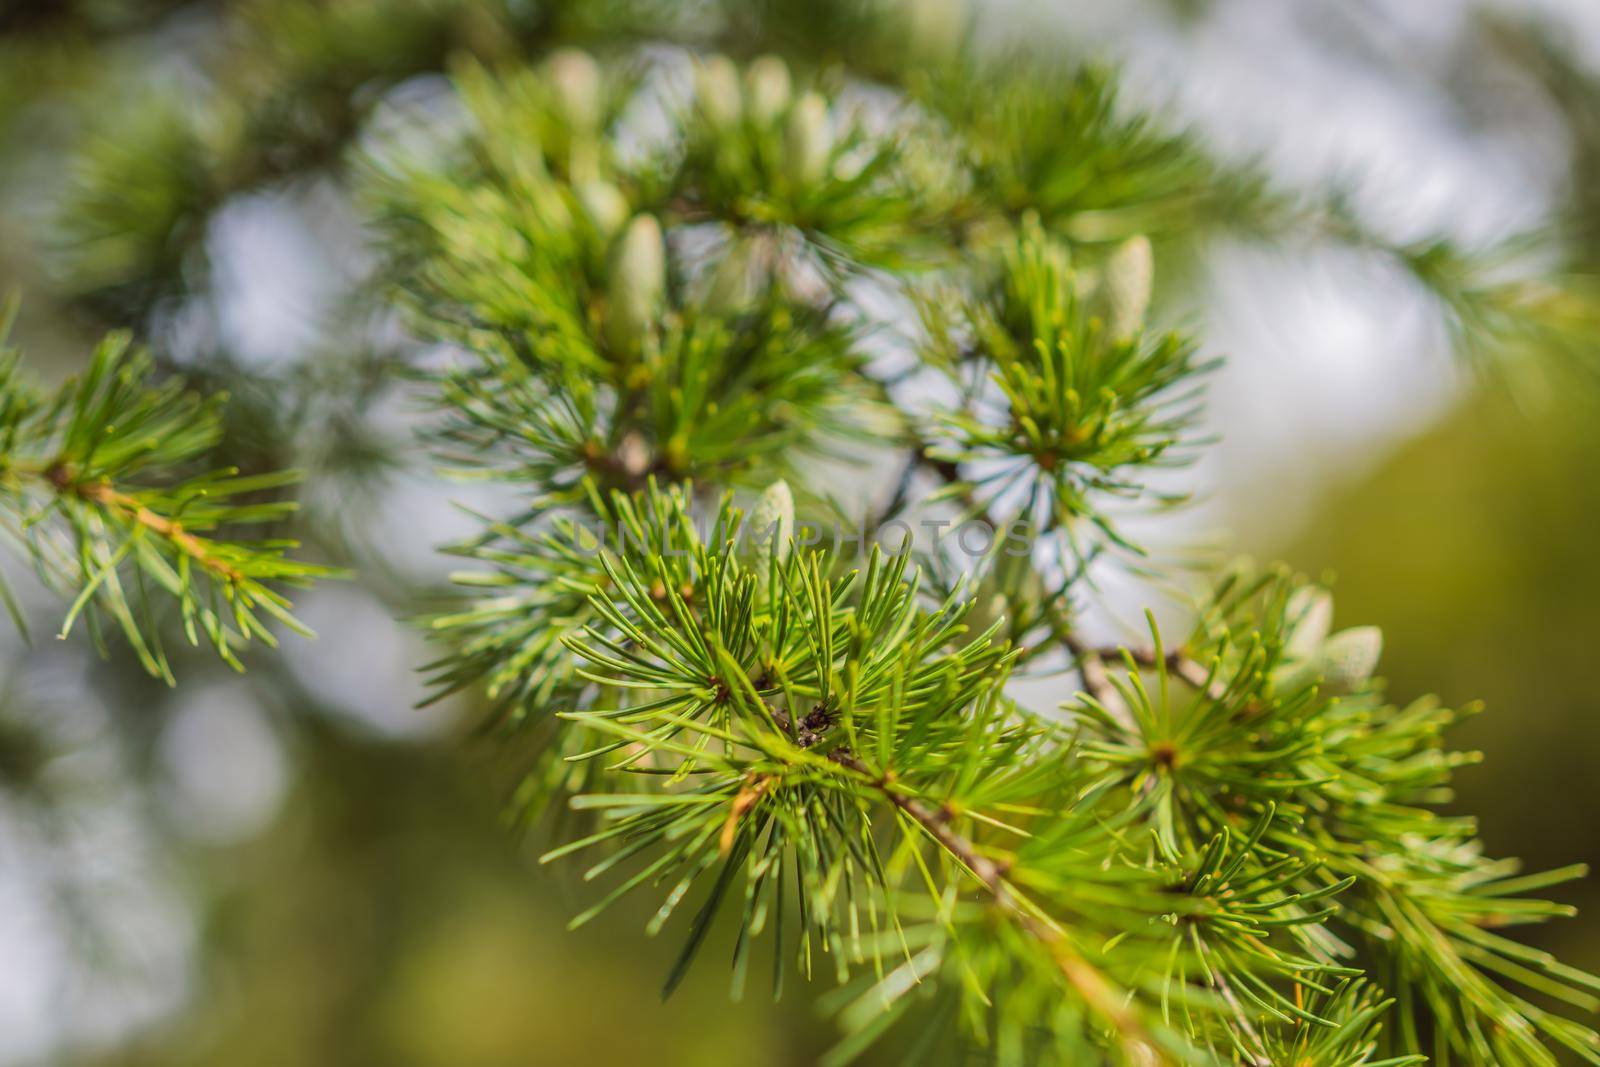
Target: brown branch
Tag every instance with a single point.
(629, 467)
(1096, 679)
(1096, 991)
(103, 493)
(1178, 662)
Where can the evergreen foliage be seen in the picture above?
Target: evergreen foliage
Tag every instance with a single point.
(1226, 851)
(661, 286)
(102, 494)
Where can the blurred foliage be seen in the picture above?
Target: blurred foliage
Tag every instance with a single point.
(384, 920)
(1475, 544)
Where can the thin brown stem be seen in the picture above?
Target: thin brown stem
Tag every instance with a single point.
(1191, 671)
(198, 549)
(1083, 976)
(1096, 679)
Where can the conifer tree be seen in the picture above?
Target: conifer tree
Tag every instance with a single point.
(689, 290)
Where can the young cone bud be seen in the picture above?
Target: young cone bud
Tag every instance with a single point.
(716, 84)
(772, 526)
(806, 140)
(766, 89)
(1310, 614)
(575, 77)
(605, 205)
(731, 287)
(638, 280)
(1350, 656)
(1129, 274)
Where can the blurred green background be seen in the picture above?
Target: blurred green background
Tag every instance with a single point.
(301, 869)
